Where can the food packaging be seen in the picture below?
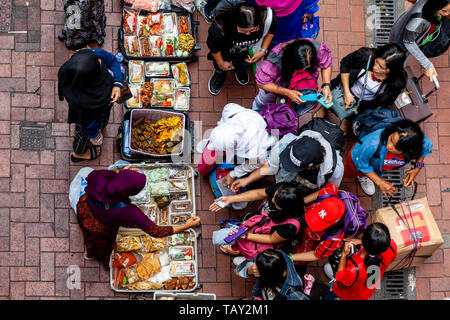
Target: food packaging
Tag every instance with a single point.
(135, 101)
(186, 44)
(152, 213)
(147, 94)
(181, 253)
(182, 268)
(158, 174)
(130, 21)
(163, 217)
(183, 24)
(155, 18)
(144, 45)
(169, 45)
(143, 28)
(151, 244)
(179, 239)
(128, 244)
(156, 29)
(132, 46)
(169, 22)
(123, 260)
(149, 266)
(175, 174)
(159, 188)
(136, 71)
(177, 185)
(147, 5)
(163, 86)
(180, 206)
(404, 230)
(181, 74)
(157, 69)
(182, 98)
(179, 195)
(163, 100)
(179, 218)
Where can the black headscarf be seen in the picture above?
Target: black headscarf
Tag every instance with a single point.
(86, 84)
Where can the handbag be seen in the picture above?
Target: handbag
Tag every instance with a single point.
(125, 94)
(338, 106)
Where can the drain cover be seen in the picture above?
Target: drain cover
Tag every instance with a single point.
(396, 177)
(32, 138)
(385, 15)
(5, 15)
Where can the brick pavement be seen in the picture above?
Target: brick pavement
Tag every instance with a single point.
(39, 234)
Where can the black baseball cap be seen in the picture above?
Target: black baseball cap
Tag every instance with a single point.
(301, 154)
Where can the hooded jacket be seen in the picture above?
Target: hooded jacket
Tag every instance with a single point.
(281, 175)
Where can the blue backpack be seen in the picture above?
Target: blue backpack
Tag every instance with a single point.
(372, 120)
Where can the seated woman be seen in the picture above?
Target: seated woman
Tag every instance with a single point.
(376, 249)
(274, 74)
(424, 32)
(91, 82)
(307, 160)
(283, 207)
(386, 149)
(232, 34)
(239, 144)
(386, 80)
(106, 206)
(276, 278)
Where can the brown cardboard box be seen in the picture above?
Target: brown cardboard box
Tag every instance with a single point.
(429, 236)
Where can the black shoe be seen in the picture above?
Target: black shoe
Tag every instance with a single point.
(215, 83)
(241, 76)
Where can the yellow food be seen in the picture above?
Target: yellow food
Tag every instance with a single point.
(186, 42)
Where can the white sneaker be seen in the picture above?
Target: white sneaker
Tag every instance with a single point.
(238, 260)
(328, 271)
(367, 185)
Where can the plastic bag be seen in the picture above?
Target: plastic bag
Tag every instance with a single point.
(77, 187)
(220, 235)
(186, 4)
(123, 260)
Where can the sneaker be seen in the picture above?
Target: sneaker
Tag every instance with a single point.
(216, 82)
(328, 271)
(241, 76)
(367, 185)
(228, 249)
(200, 5)
(238, 260)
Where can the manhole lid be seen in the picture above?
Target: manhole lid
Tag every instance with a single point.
(32, 138)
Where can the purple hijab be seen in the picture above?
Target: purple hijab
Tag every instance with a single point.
(107, 186)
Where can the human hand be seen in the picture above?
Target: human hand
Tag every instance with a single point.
(348, 99)
(227, 180)
(253, 271)
(306, 17)
(192, 222)
(130, 167)
(226, 66)
(238, 184)
(430, 72)
(347, 249)
(115, 94)
(354, 241)
(295, 96)
(256, 57)
(214, 207)
(410, 177)
(387, 188)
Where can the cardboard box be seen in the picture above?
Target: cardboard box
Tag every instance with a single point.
(429, 237)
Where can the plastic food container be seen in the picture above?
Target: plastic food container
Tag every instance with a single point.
(169, 22)
(176, 174)
(179, 218)
(180, 206)
(163, 217)
(156, 115)
(142, 196)
(177, 185)
(180, 239)
(181, 253)
(182, 98)
(160, 188)
(157, 69)
(152, 213)
(158, 174)
(182, 268)
(181, 74)
(136, 71)
(163, 86)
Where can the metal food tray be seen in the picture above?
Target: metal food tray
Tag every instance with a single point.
(184, 296)
(193, 28)
(153, 114)
(135, 231)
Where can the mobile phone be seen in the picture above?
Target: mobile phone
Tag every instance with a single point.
(220, 203)
(236, 235)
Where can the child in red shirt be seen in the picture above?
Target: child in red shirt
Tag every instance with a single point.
(359, 274)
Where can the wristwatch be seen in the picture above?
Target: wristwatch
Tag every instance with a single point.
(420, 165)
(326, 84)
(265, 50)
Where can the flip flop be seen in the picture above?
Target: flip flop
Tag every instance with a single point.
(94, 155)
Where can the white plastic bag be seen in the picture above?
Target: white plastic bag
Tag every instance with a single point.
(77, 187)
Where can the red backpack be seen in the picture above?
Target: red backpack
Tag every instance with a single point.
(261, 224)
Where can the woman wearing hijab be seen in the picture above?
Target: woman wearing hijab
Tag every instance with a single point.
(91, 82)
(240, 133)
(106, 206)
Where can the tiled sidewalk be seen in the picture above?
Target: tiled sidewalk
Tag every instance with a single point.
(39, 234)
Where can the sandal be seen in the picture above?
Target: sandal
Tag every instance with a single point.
(228, 249)
(94, 155)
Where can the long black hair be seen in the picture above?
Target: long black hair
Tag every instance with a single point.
(410, 142)
(298, 55)
(376, 239)
(290, 199)
(431, 7)
(394, 56)
(271, 267)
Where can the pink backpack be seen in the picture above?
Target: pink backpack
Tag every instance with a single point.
(261, 224)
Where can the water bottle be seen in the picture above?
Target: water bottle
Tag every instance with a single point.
(119, 58)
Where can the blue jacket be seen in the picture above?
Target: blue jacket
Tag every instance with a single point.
(291, 286)
(363, 153)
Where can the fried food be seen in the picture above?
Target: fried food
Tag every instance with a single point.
(186, 42)
(149, 266)
(151, 244)
(129, 244)
(145, 285)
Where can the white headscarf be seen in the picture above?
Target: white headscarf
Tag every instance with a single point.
(240, 131)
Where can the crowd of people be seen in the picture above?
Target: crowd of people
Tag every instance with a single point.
(302, 216)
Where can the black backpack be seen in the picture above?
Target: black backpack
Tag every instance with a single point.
(332, 133)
